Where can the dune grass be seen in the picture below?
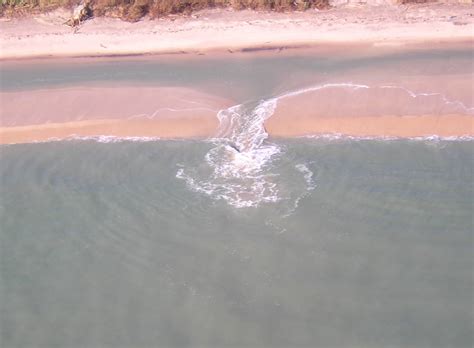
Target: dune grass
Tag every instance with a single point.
(133, 10)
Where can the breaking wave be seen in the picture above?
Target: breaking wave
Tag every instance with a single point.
(242, 167)
(241, 161)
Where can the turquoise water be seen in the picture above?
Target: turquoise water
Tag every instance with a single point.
(242, 240)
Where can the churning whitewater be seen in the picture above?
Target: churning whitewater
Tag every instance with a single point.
(241, 161)
(242, 167)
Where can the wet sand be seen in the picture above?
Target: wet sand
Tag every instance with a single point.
(94, 110)
(72, 104)
(171, 112)
(138, 111)
(374, 126)
(165, 128)
(202, 127)
(386, 110)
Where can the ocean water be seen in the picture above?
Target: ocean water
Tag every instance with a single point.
(241, 240)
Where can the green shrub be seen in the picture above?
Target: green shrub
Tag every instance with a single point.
(133, 10)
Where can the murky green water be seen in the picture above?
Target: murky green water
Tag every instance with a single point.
(102, 246)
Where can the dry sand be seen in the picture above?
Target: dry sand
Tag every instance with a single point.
(227, 31)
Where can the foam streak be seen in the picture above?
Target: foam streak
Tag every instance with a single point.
(243, 170)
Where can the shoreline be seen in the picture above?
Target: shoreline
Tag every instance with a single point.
(177, 112)
(206, 127)
(359, 49)
(104, 131)
(185, 113)
(221, 31)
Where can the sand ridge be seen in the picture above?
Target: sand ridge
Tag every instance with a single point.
(141, 111)
(179, 112)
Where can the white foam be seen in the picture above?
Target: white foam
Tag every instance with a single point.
(344, 137)
(242, 162)
(349, 85)
(239, 162)
(157, 112)
(355, 86)
(111, 139)
(456, 103)
(307, 174)
(99, 139)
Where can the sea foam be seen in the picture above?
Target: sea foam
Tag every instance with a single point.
(240, 161)
(242, 165)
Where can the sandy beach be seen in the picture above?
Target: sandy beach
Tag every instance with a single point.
(181, 112)
(228, 31)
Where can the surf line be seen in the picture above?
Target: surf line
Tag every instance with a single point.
(242, 164)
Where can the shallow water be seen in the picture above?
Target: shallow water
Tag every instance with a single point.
(242, 240)
(241, 77)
